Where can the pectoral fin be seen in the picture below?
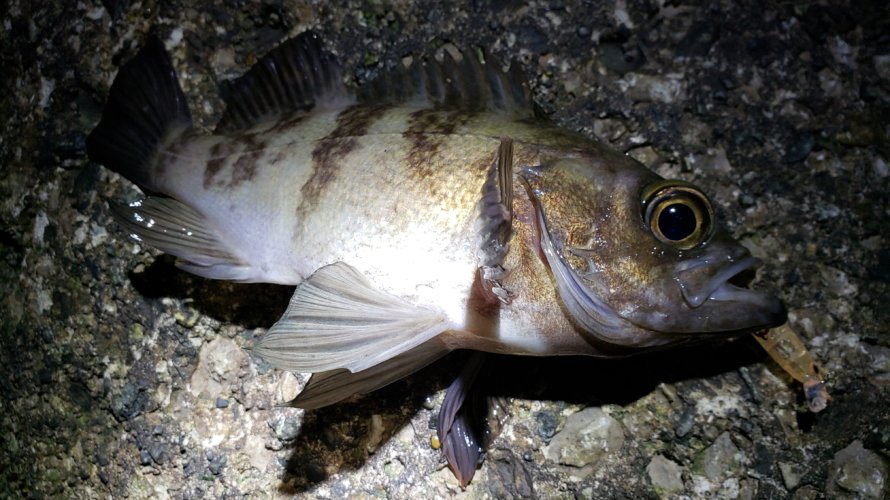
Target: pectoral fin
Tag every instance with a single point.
(494, 225)
(338, 320)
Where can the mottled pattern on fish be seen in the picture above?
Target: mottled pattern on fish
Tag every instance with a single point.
(290, 198)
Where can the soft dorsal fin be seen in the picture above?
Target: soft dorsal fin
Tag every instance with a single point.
(473, 81)
(298, 75)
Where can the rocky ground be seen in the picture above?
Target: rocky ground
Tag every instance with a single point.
(121, 376)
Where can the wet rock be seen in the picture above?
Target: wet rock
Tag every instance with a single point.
(532, 38)
(620, 58)
(547, 424)
(698, 40)
(721, 459)
(685, 422)
(646, 155)
(130, 401)
(158, 452)
(218, 365)
(511, 479)
(375, 434)
(394, 468)
(652, 88)
(790, 475)
(216, 462)
(880, 364)
(842, 52)
(882, 66)
(588, 437)
(799, 148)
(285, 428)
(287, 388)
(857, 472)
(666, 475)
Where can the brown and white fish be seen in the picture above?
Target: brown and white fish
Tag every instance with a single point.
(429, 211)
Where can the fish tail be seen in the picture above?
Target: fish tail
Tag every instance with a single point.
(146, 111)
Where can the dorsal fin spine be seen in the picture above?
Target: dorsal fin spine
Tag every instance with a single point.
(474, 82)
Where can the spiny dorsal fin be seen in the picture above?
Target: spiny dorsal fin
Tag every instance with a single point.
(337, 319)
(298, 75)
(474, 81)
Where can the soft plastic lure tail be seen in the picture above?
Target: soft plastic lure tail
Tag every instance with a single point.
(785, 347)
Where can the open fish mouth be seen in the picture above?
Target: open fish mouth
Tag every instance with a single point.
(702, 283)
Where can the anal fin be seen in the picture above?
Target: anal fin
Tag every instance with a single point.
(337, 320)
(331, 387)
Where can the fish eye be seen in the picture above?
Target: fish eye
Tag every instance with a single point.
(677, 213)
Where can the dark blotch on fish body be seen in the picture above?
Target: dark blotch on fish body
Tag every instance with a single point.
(352, 122)
(426, 130)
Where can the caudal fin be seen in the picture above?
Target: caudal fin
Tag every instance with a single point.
(146, 109)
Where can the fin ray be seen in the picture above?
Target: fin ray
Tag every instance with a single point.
(294, 77)
(494, 224)
(177, 229)
(327, 388)
(460, 444)
(476, 82)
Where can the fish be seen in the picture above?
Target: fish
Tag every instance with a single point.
(433, 209)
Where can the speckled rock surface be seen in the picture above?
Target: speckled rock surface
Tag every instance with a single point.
(121, 376)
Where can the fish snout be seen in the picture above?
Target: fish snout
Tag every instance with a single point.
(728, 284)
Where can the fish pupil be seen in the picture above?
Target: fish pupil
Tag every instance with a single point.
(677, 222)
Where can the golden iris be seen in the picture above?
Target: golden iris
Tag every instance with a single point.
(677, 213)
